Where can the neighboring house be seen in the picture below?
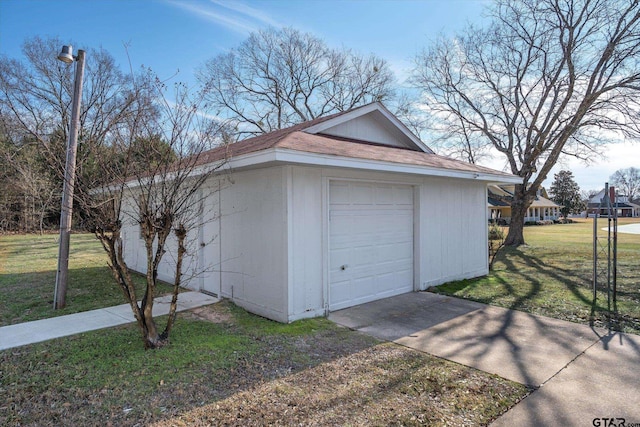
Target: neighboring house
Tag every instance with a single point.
(332, 213)
(499, 203)
(622, 204)
(499, 199)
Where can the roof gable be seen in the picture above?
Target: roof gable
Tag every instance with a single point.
(372, 123)
(389, 145)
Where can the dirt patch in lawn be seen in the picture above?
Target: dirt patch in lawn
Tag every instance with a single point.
(383, 385)
(211, 313)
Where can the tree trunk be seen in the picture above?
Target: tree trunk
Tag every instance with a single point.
(181, 234)
(522, 199)
(143, 312)
(515, 237)
(150, 334)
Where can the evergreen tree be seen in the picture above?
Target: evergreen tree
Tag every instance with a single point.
(566, 192)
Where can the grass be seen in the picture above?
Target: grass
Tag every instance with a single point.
(225, 366)
(552, 276)
(28, 265)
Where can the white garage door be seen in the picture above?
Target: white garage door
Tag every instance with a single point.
(370, 242)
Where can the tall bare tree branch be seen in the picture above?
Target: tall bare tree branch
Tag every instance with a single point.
(277, 78)
(547, 78)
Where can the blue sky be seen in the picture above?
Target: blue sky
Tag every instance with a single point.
(172, 35)
(177, 36)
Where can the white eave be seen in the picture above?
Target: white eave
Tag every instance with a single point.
(283, 155)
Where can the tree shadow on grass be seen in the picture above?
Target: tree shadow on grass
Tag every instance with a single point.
(526, 282)
(602, 312)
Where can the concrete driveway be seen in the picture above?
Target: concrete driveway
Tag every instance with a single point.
(580, 373)
(629, 228)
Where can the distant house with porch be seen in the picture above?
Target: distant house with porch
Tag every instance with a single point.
(499, 198)
(626, 209)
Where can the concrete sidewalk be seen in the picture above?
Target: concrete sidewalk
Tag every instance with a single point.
(55, 327)
(579, 372)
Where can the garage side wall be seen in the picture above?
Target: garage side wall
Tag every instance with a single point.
(194, 268)
(134, 251)
(239, 250)
(453, 231)
(306, 210)
(254, 241)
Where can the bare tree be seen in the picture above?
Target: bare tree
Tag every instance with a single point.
(35, 98)
(547, 78)
(155, 186)
(627, 181)
(34, 186)
(140, 159)
(277, 78)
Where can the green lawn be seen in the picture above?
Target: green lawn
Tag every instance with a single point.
(552, 276)
(225, 366)
(28, 266)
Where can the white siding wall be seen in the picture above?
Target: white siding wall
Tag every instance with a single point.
(453, 223)
(248, 261)
(209, 278)
(266, 236)
(307, 210)
(254, 241)
(134, 252)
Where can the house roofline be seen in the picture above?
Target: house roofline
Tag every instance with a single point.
(284, 156)
(280, 156)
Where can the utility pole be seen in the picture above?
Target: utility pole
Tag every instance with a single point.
(62, 275)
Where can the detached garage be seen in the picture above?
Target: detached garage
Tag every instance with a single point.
(333, 213)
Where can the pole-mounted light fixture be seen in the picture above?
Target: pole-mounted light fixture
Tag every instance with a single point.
(66, 54)
(59, 298)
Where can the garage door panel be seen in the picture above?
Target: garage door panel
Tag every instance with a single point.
(384, 195)
(361, 194)
(339, 257)
(371, 234)
(340, 292)
(387, 252)
(364, 256)
(340, 193)
(341, 225)
(403, 280)
(362, 286)
(403, 252)
(403, 196)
